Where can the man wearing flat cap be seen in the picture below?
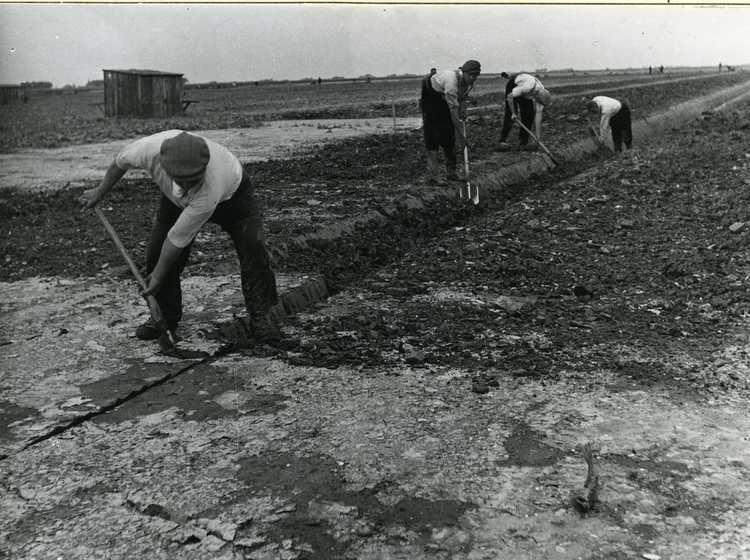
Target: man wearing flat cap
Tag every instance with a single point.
(526, 95)
(443, 104)
(200, 181)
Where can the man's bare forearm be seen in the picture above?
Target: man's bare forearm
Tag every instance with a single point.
(91, 197)
(168, 257)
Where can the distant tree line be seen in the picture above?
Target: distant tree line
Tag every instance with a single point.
(268, 81)
(37, 85)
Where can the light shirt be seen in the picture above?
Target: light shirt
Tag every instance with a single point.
(447, 83)
(528, 87)
(223, 176)
(609, 108)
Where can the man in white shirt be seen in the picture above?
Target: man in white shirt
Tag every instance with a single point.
(200, 181)
(526, 95)
(443, 105)
(615, 115)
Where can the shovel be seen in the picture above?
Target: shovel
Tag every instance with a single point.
(167, 341)
(542, 146)
(475, 198)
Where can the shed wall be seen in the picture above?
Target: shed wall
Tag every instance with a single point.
(137, 95)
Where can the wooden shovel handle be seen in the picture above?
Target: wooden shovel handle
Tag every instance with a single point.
(542, 146)
(153, 305)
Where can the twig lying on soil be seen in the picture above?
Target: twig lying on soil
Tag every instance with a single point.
(586, 499)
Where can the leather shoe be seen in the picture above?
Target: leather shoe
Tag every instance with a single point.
(150, 330)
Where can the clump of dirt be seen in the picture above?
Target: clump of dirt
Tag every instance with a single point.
(314, 478)
(525, 449)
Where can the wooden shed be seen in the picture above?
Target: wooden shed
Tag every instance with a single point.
(142, 93)
(10, 93)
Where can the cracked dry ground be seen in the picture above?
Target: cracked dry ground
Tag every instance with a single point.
(437, 408)
(610, 307)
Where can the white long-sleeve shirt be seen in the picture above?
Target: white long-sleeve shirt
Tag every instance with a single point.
(608, 107)
(529, 87)
(447, 82)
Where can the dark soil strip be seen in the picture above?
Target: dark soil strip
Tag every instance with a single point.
(77, 421)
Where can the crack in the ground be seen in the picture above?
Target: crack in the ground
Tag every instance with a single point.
(78, 420)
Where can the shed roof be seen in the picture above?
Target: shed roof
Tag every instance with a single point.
(136, 72)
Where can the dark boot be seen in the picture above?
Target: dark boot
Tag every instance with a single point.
(151, 331)
(264, 330)
(503, 147)
(433, 175)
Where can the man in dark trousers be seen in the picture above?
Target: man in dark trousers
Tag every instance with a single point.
(615, 115)
(526, 95)
(200, 181)
(443, 104)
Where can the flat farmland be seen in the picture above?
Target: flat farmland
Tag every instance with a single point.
(324, 184)
(50, 121)
(436, 405)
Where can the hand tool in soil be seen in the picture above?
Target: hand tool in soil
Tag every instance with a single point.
(475, 198)
(167, 342)
(598, 140)
(542, 146)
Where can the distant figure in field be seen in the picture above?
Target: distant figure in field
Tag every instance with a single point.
(615, 115)
(443, 105)
(650, 70)
(526, 95)
(719, 66)
(661, 69)
(320, 80)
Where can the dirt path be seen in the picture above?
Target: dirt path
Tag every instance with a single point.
(40, 169)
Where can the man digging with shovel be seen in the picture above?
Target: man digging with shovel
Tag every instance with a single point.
(443, 105)
(200, 181)
(615, 115)
(526, 95)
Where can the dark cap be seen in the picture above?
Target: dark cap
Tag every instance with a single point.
(472, 67)
(184, 155)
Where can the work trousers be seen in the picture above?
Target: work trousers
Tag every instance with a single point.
(621, 126)
(437, 124)
(237, 216)
(524, 109)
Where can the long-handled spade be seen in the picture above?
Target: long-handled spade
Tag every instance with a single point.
(167, 341)
(475, 197)
(542, 146)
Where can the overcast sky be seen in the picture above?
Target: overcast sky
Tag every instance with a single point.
(70, 44)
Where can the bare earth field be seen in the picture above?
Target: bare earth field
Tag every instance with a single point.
(437, 403)
(59, 120)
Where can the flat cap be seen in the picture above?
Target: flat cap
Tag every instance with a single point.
(471, 67)
(184, 155)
